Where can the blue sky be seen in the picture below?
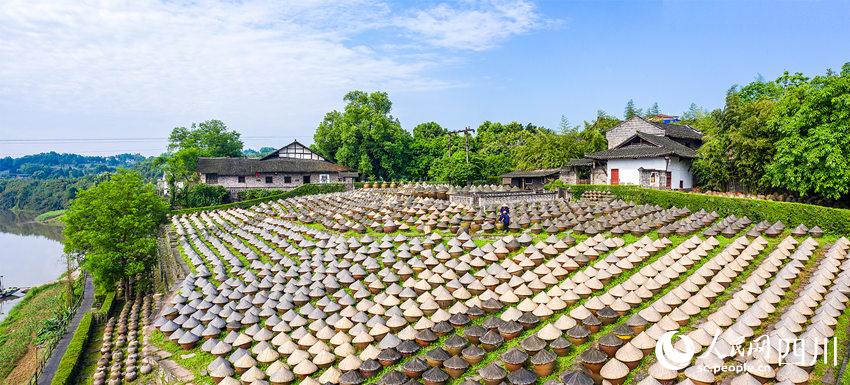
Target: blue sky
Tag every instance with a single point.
(124, 74)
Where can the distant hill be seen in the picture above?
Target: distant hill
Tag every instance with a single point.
(53, 165)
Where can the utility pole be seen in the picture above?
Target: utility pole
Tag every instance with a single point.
(465, 132)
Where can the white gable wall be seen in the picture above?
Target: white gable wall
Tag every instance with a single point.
(681, 169)
(629, 168)
(296, 151)
(630, 174)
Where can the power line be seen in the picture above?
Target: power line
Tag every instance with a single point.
(123, 140)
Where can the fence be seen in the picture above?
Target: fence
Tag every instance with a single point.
(52, 344)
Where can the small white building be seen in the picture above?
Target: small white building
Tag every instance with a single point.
(644, 153)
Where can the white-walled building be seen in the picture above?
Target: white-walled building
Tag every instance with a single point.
(640, 152)
(288, 167)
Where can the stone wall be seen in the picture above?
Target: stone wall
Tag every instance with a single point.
(495, 199)
(278, 180)
(628, 128)
(599, 175)
(468, 200)
(660, 178)
(569, 176)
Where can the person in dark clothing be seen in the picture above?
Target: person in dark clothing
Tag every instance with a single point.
(505, 217)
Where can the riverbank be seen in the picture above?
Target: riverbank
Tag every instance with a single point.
(31, 328)
(50, 217)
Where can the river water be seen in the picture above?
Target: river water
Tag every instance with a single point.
(30, 254)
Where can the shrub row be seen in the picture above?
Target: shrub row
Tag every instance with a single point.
(201, 195)
(70, 360)
(306, 189)
(106, 306)
(258, 193)
(831, 220)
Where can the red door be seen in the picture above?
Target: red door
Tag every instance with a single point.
(615, 176)
(669, 179)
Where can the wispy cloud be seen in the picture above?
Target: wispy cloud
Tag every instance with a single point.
(476, 26)
(248, 56)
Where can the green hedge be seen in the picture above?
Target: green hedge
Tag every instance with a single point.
(258, 193)
(202, 195)
(305, 189)
(106, 306)
(70, 361)
(831, 220)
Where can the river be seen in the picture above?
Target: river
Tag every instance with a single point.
(30, 254)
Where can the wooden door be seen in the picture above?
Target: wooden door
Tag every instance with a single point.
(615, 176)
(669, 179)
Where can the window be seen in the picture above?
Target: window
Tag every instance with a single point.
(241, 179)
(287, 179)
(212, 178)
(324, 178)
(269, 179)
(653, 178)
(306, 179)
(681, 185)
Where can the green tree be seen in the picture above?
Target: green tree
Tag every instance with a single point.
(551, 150)
(653, 110)
(455, 170)
(631, 111)
(365, 136)
(603, 122)
(430, 142)
(114, 225)
(712, 166)
(211, 138)
(813, 120)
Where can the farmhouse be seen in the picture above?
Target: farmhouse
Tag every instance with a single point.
(530, 180)
(286, 168)
(649, 153)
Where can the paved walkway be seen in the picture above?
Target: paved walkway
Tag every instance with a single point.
(53, 362)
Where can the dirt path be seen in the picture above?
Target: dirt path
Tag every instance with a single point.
(53, 362)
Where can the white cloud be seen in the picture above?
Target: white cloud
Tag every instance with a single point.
(478, 26)
(241, 57)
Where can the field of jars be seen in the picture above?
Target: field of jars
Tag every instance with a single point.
(380, 287)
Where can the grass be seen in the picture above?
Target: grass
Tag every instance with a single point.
(88, 364)
(49, 215)
(195, 364)
(20, 329)
(715, 304)
(569, 360)
(492, 356)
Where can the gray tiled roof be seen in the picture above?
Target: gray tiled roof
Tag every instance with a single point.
(579, 162)
(251, 166)
(681, 131)
(531, 173)
(654, 146)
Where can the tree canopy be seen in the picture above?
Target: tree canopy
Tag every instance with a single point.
(812, 118)
(114, 225)
(364, 136)
(791, 134)
(211, 138)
